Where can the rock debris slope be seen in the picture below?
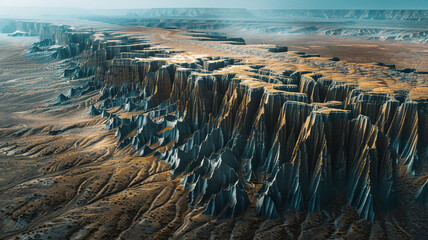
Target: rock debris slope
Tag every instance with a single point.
(288, 140)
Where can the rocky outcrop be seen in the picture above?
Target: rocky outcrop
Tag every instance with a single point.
(70, 43)
(62, 98)
(278, 49)
(406, 138)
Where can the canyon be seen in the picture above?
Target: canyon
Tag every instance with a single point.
(162, 133)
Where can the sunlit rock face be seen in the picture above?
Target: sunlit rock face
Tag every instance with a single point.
(304, 139)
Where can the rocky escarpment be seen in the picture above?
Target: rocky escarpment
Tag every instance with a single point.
(232, 13)
(307, 139)
(297, 138)
(415, 15)
(241, 13)
(62, 40)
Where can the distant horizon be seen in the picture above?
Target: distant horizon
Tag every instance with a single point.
(247, 4)
(334, 9)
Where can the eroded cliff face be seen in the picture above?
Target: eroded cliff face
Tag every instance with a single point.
(63, 40)
(298, 138)
(304, 138)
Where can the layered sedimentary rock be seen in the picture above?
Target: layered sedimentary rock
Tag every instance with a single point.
(306, 139)
(68, 43)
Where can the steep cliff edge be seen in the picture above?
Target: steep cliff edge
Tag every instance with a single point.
(303, 148)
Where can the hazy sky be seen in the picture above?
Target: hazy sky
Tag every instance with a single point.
(301, 4)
